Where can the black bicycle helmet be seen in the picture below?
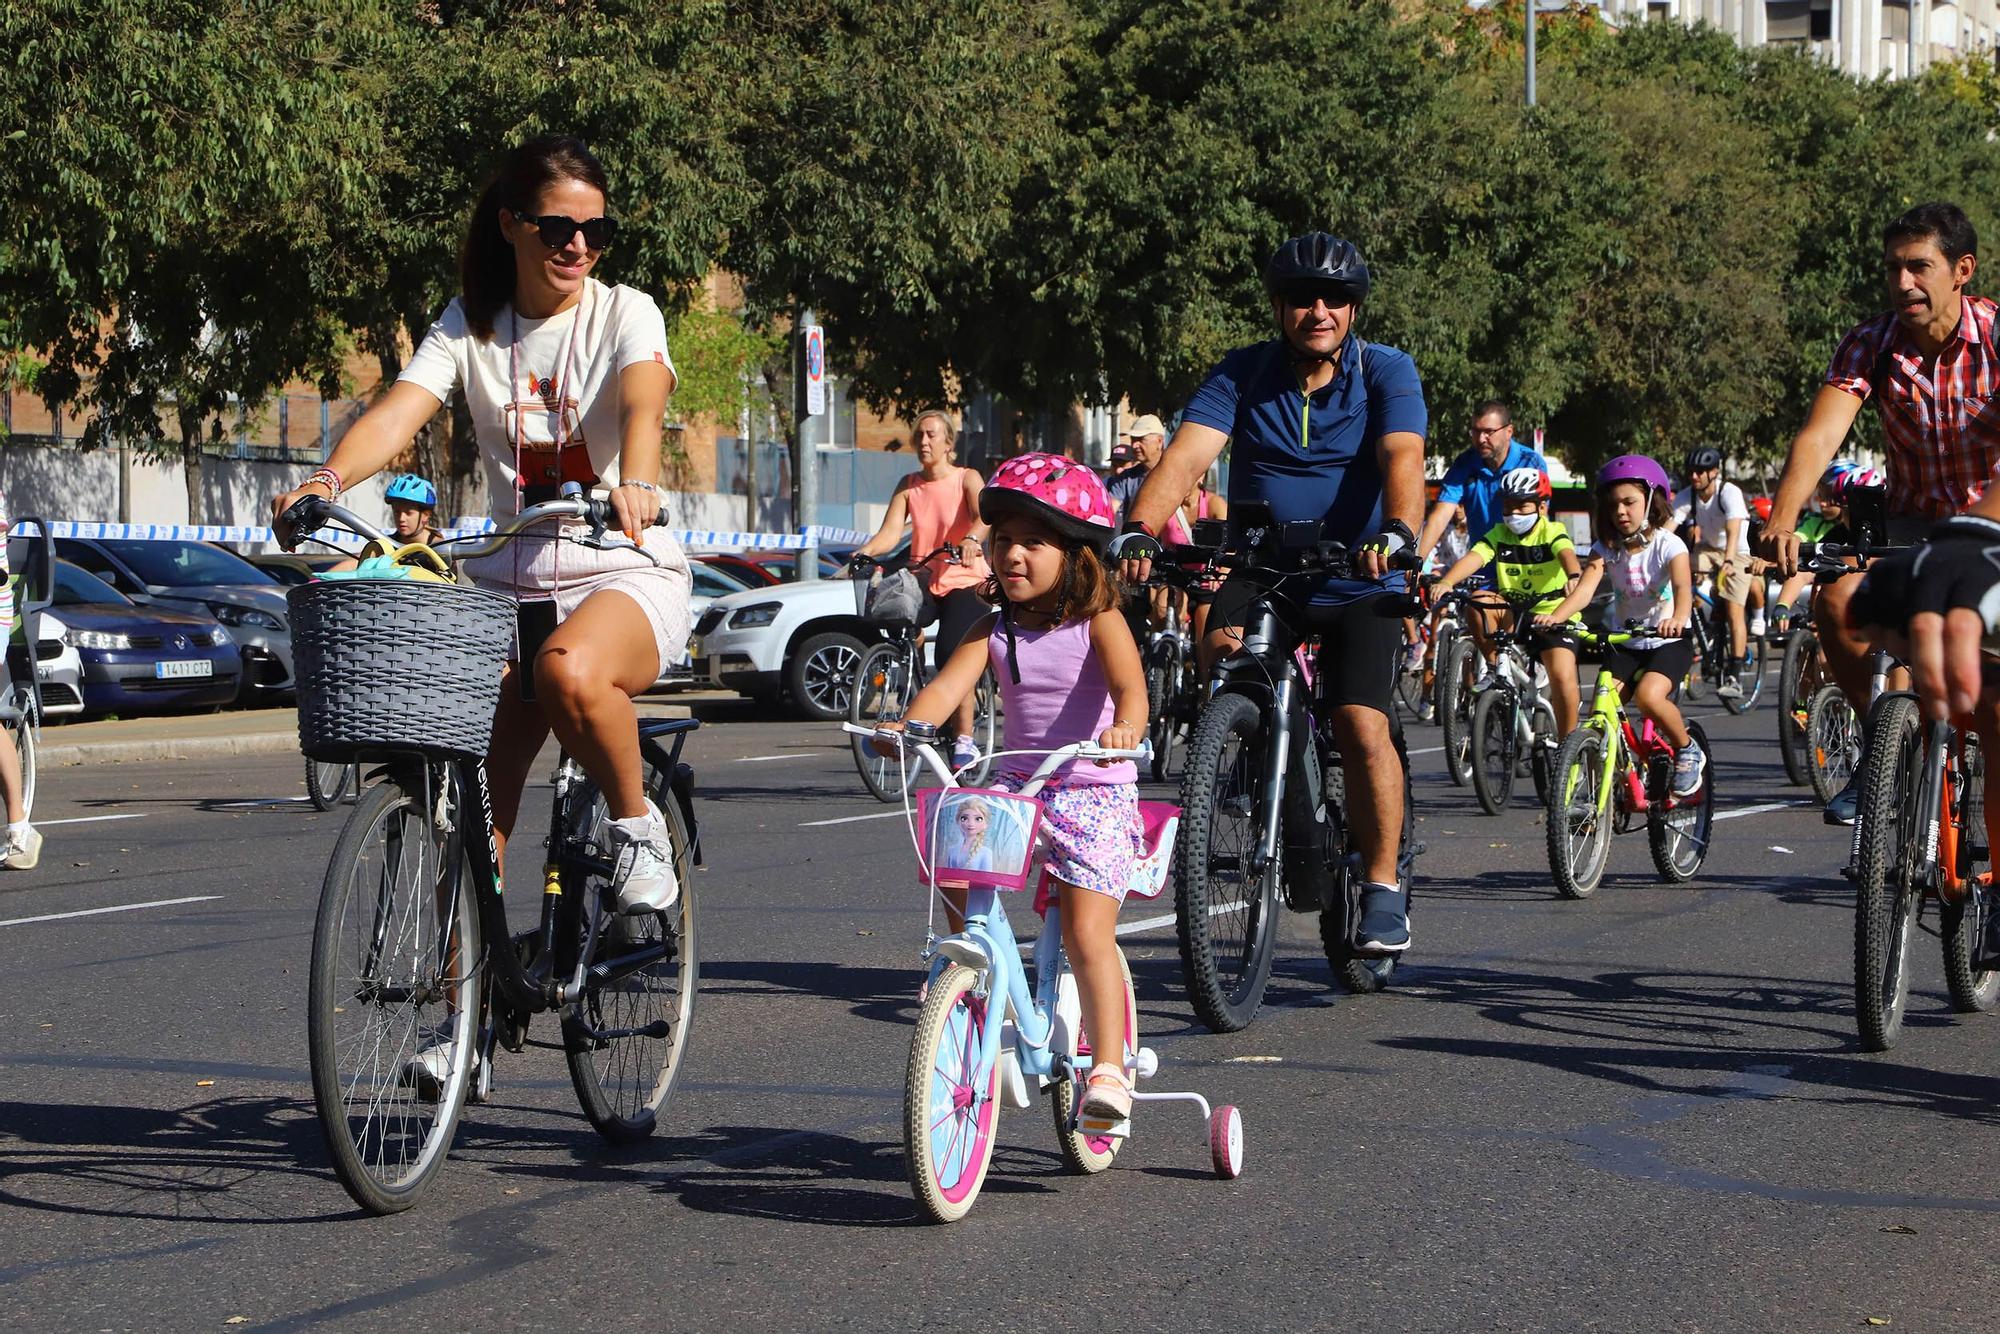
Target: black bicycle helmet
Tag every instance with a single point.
(1701, 458)
(1317, 260)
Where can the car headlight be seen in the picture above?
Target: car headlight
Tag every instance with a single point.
(99, 639)
(756, 614)
(231, 614)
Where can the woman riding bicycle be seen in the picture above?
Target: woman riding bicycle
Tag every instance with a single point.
(566, 380)
(940, 505)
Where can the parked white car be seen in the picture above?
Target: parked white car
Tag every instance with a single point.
(59, 667)
(798, 641)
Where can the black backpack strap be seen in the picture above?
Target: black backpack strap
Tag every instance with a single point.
(1878, 374)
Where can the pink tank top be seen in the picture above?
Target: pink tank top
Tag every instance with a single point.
(1062, 697)
(940, 516)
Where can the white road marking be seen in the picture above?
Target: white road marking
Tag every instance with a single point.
(1763, 808)
(788, 755)
(1147, 924)
(89, 819)
(851, 819)
(1428, 750)
(261, 803)
(93, 912)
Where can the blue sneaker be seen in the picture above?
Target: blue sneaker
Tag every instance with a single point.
(1385, 920)
(1845, 808)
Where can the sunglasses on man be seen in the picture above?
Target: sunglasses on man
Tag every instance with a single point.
(556, 230)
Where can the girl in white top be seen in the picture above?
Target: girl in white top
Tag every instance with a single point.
(566, 379)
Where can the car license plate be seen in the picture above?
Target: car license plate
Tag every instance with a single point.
(185, 667)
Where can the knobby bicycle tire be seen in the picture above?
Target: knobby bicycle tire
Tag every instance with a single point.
(1886, 901)
(1454, 710)
(1798, 678)
(1974, 990)
(1225, 974)
(1494, 742)
(414, 987)
(1163, 703)
(1579, 833)
(626, 1038)
(951, 1107)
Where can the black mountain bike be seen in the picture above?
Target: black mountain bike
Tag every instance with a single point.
(1263, 804)
(416, 976)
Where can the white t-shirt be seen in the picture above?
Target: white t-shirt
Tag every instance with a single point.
(1712, 516)
(561, 376)
(1641, 589)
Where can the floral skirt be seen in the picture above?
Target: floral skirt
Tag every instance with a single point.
(1092, 836)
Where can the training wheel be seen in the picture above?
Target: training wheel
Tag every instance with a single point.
(1225, 1142)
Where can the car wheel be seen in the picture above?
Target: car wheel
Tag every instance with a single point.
(819, 674)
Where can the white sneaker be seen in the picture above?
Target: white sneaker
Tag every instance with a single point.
(1488, 678)
(24, 847)
(964, 754)
(643, 866)
(1757, 625)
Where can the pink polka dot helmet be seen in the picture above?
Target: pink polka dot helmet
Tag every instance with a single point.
(1060, 492)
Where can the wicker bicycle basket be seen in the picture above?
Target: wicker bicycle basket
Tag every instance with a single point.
(391, 666)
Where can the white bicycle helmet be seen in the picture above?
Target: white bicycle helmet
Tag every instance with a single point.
(1525, 484)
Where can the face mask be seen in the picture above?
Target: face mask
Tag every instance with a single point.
(1520, 523)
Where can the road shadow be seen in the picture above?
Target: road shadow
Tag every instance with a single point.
(206, 1164)
(884, 995)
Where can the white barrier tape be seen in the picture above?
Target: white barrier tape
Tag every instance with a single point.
(181, 532)
(845, 537)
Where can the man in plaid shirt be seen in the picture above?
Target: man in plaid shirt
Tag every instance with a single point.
(1931, 364)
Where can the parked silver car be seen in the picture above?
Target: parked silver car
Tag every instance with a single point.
(194, 576)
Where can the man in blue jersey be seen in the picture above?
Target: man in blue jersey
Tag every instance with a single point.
(1330, 429)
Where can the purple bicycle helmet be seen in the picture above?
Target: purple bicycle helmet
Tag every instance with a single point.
(1635, 468)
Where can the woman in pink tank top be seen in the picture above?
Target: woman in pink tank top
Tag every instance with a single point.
(939, 504)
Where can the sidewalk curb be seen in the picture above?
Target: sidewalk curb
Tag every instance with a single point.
(199, 747)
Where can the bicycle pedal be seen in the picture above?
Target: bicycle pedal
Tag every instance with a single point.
(1104, 1127)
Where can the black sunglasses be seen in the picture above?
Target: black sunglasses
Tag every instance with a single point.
(556, 230)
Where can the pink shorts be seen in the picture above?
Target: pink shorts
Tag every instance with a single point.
(1092, 836)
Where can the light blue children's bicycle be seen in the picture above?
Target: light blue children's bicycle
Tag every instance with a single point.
(985, 1029)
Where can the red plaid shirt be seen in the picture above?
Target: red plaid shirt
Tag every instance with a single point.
(1942, 430)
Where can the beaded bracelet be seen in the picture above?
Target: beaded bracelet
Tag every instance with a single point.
(328, 478)
(633, 481)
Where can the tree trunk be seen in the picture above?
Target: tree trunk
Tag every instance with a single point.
(191, 462)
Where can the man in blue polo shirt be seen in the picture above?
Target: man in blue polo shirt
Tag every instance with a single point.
(1472, 484)
(1326, 428)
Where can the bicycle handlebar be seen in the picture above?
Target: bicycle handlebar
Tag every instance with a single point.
(312, 513)
(858, 566)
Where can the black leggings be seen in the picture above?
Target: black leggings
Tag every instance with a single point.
(955, 613)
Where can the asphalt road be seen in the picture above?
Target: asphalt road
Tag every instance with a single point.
(1646, 1111)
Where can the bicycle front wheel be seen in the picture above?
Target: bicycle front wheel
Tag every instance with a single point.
(985, 728)
(951, 1099)
(1227, 916)
(1163, 702)
(1887, 900)
(327, 783)
(394, 998)
(1493, 749)
(883, 688)
(27, 739)
(1833, 742)
(1456, 675)
(1579, 830)
(1751, 677)
(1798, 678)
(1974, 990)
(626, 1038)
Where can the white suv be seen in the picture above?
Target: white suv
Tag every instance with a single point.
(800, 640)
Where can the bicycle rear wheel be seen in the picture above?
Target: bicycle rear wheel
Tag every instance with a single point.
(1579, 833)
(1088, 1154)
(327, 784)
(1409, 679)
(1493, 749)
(951, 1104)
(985, 727)
(1798, 678)
(27, 733)
(1454, 710)
(1833, 742)
(626, 1038)
(1974, 990)
(393, 998)
(1750, 679)
(1887, 900)
(1226, 916)
(1679, 838)
(883, 688)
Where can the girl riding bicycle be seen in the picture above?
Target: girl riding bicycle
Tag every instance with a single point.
(1651, 592)
(1068, 671)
